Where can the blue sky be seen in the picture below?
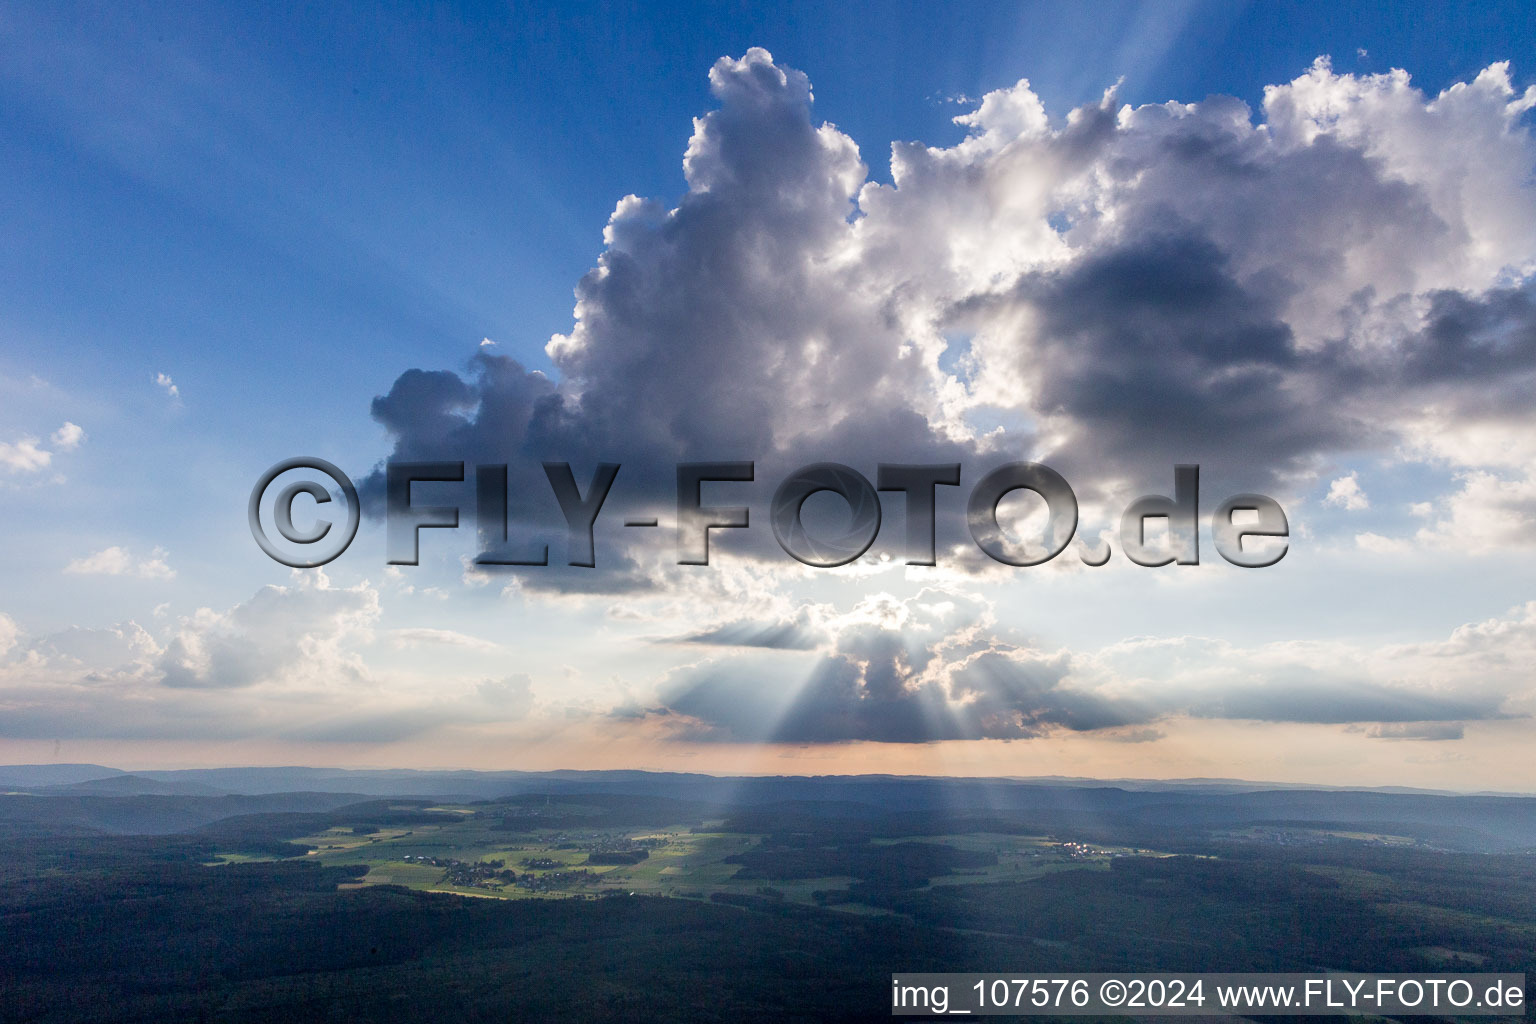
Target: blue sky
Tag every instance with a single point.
(279, 215)
(418, 177)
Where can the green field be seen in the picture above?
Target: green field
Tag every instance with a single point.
(682, 861)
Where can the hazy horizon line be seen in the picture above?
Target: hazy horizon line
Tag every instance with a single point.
(1256, 784)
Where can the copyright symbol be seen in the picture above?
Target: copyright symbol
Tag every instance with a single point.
(282, 511)
(1112, 992)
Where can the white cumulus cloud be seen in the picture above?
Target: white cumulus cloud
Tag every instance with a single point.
(27, 454)
(119, 561)
(1345, 493)
(68, 437)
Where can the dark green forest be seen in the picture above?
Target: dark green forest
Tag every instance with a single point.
(611, 907)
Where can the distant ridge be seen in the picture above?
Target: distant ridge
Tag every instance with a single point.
(167, 801)
(132, 785)
(473, 784)
(30, 775)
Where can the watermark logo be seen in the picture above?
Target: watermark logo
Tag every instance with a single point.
(282, 514)
(325, 540)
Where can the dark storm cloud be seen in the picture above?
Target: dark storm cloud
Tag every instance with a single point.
(792, 635)
(1433, 731)
(1475, 357)
(1302, 694)
(934, 679)
(870, 690)
(1001, 695)
(1153, 354)
(1488, 338)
